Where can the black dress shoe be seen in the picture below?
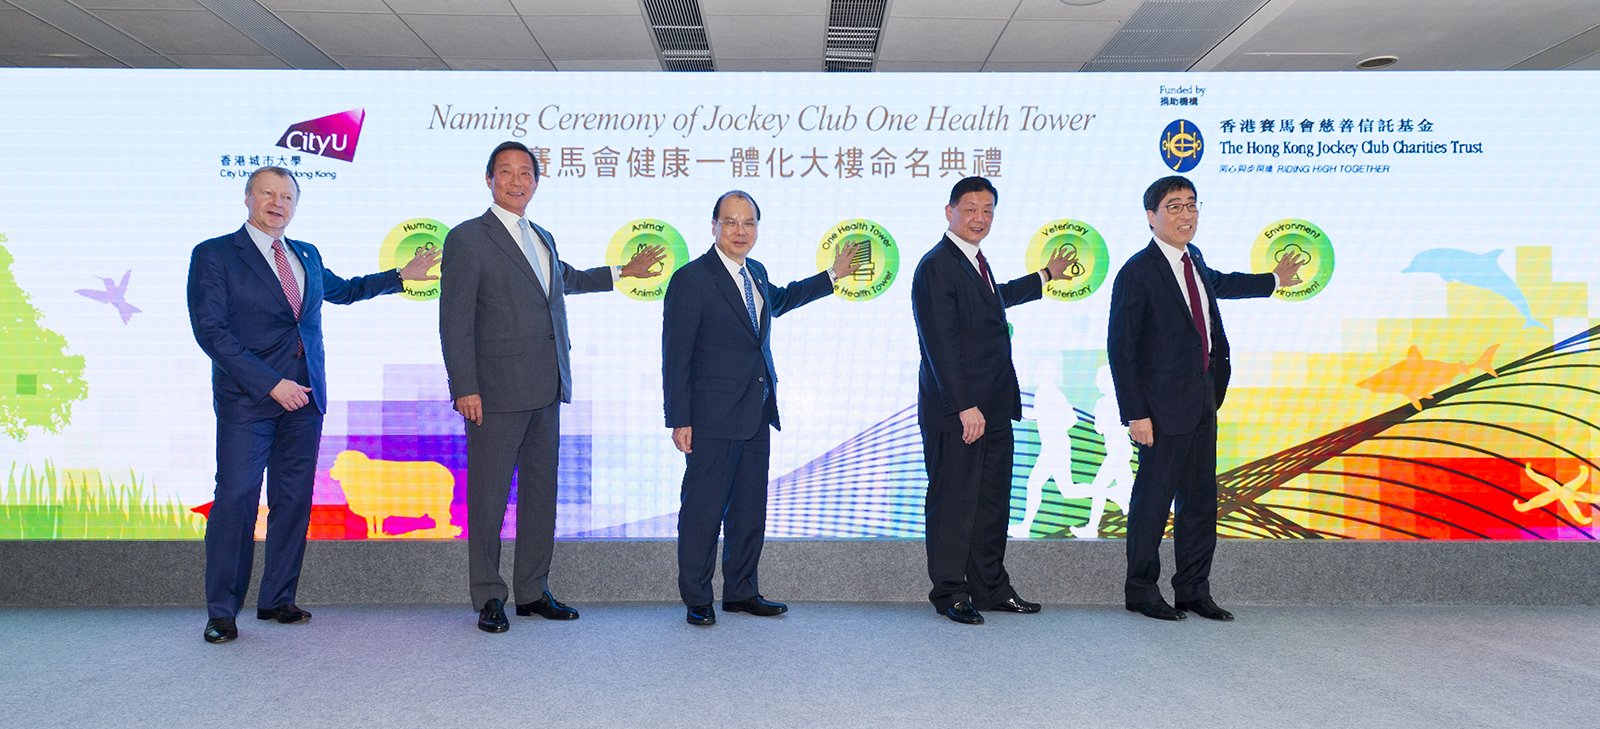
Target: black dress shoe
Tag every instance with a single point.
(286, 614)
(757, 605)
(701, 615)
(548, 607)
(220, 630)
(1014, 604)
(1159, 610)
(492, 618)
(963, 613)
(1205, 607)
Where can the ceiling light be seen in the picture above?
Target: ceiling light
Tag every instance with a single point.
(1376, 62)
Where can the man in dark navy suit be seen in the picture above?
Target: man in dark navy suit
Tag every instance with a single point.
(721, 399)
(1169, 359)
(255, 304)
(967, 396)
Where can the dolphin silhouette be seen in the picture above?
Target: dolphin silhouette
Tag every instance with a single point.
(114, 295)
(1480, 270)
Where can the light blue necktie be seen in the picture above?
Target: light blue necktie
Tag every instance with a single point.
(750, 300)
(527, 250)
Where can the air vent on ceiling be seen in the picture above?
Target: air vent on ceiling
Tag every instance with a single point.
(853, 28)
(1171, 35)
(680, 35)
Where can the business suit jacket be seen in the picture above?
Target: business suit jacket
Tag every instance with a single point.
(243, 321)
(1152, 344)
(504, 339)
(965, 342)
(714, 365)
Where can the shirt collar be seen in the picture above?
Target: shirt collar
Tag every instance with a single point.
(1174, 255)
(505, 216)
(732, 265)
(969, 249)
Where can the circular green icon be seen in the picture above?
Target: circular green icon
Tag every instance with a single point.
(1084, 248)
(404, 242)
(637, 235)
(876, 257)
(1302, 241)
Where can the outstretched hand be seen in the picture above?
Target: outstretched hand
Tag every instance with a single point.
(1060, 261)
(417, 268)
(1288, 269)
(643, 263)
(844, 262)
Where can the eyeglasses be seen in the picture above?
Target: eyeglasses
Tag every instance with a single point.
(1175, 208)
(737, 224)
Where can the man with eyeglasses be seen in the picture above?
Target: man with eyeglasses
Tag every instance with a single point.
(721, 397)
(1169, 361)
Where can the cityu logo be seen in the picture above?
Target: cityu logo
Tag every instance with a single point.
(334, 135)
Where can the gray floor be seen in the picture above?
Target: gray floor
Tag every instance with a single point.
(823, 664)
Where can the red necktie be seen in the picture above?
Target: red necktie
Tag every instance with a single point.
(983, 268)
(1195, 312)
(286, 277)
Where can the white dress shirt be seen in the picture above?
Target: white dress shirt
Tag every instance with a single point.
(1175, 262)
(263, 241)
(738, 281)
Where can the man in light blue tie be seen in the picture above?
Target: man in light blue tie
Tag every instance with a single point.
(721, 399)
(503, 327)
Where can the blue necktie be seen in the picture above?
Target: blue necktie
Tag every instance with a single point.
(527, 250)
(750, 300)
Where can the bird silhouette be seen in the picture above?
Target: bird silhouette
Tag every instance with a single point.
(115, 294)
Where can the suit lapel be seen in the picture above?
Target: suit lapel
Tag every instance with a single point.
(958, 259)
(497, 233)
(313, 278)
(724, 284)
(1163, 272)
(758, 279)
(250, 256)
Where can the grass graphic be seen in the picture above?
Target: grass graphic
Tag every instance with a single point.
(80, 504)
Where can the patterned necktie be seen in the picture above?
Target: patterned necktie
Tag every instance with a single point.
(1196, 313)
(983, 268)
(291, 290)
(528, 250)
(750, 300)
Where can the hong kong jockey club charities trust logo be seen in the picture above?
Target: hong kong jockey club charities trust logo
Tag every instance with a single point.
(1181, 145)
(334, 135)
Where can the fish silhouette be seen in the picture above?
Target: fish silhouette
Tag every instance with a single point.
(1417, 379)
(114, 295)
(1480, 270)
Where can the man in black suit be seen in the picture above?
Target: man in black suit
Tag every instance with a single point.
(1169, 359)
(720, 392)
(503, 328)
(967, 396)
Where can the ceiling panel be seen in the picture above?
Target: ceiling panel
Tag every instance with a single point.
(1030, 67)
(608, 64)
(1592, 63)
(180, 31)
(575, 37)
(959, 66)
(1432, 35)
(1058, 10)
(23, 34)
(329, 6)
(1293, 62)
(453, 7)
(223, 60)
(475, 36)
(764, 7)
(500, 64)
(408, 63)
(755, 36)
(578, 7)
(769, 64)
(140, 4)
(952, 9)
(1057, 41)
(931, 39)
(94, 60)
(356, 34)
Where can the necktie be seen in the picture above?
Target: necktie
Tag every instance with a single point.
(1196, 313)
(755, 321)
(983, 268)
(528, 250)
(750, 300)
(291, 290)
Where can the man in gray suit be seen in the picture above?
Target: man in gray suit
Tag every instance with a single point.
(503, 325)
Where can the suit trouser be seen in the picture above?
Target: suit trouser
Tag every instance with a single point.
(285, 446)
(528, 442)
(1180, 471)
(968, 507)
(724, 486)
